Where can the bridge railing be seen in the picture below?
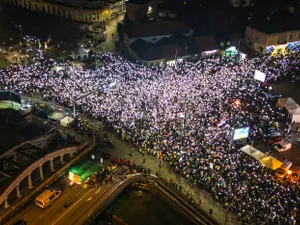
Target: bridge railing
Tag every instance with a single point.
(98, 210)
(13, 209)
(185, 204)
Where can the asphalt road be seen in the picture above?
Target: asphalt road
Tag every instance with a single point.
(72, 207)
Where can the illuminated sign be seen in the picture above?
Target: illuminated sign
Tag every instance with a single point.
(241, 133)
(259, 76)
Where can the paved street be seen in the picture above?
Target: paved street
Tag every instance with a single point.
(286, 89)
(72, 207)
(111, 30)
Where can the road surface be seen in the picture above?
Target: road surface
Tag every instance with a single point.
(112, 34)
(73, 206)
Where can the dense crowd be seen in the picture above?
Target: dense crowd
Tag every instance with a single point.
(183, 114)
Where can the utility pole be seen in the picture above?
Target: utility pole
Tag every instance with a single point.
(12, 105)
(175, 57)
(184, 120)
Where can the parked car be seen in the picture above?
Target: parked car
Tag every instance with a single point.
(275, 140)
(284, 146)
(20, 222)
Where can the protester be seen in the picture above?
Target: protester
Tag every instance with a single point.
(182, 114)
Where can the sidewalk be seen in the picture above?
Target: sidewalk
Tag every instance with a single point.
(122, 150)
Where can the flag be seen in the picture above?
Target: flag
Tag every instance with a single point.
(181, 115)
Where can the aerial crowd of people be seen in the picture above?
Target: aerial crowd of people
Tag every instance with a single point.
(183, 114)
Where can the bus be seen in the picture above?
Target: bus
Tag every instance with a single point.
(47, 197)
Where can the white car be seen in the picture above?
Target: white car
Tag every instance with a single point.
(284, 146)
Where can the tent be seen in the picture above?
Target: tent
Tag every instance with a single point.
(271, 162)
(66, 121)
(291, 106)
(295, 115)
(266, 160)
(253, 152)
(285, 102)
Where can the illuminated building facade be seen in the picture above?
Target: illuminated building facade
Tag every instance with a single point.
(81, 11)
(273, 41)
(242, 3)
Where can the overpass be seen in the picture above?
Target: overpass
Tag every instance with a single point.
(26, 172)
(193, 214)
(12, 210)
(81, 206)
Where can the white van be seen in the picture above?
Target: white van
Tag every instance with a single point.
(47, 197)
(284, 146)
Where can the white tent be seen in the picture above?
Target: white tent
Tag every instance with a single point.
(291, 106)
(295, 115)
(285, 102)
(253, 152)
(66, 121)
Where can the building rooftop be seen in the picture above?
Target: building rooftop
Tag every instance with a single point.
(205, 43)
(270, 27)
(157, 29)
(150, 52)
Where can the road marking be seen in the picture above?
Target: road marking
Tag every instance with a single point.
(89, 199)
(71, 207)
(98, 191)
(79, 192)
(118, 219)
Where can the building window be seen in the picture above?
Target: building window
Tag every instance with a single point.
(291, 36)
(98, 17)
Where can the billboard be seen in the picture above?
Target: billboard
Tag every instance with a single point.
(241, 133)
(259, 76)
